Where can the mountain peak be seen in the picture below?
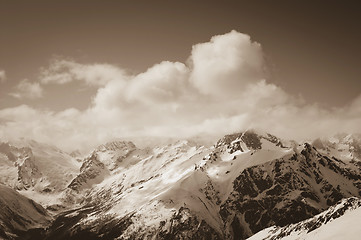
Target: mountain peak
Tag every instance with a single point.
(346, 147)
(251, 138)
(116, 145)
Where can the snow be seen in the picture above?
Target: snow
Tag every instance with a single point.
(344, 227)
(44, 199)
(46, 168)
(342, 146)
(56, 166)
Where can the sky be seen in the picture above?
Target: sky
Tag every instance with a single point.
(78, 73)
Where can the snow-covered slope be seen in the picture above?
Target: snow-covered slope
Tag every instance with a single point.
(19, 214)
(341, 221)
(346, 147)
(37, 170)
(108, 159)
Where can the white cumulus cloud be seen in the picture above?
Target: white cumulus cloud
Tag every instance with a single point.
(226, 64)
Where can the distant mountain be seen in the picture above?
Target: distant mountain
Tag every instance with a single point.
(39, 171)
(105, 160)
(341, 221)
(346, 147)
(20, 216)
(18, 164)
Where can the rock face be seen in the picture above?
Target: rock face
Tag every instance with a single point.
(245, 183)
(92, 171)
(20, 216)
(104, 161)
(24, 161)
(28, 172)
(113, 154)
(285, 191)
(249, 139)
(37, 170)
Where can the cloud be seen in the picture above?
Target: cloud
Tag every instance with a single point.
(2, 76)
(220, 89)
(226, 64)
(63, 71)
(163, 82)
(27, 89)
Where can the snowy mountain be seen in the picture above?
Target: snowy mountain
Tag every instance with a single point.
(245, 183)
(346, 147)
(18, 164)
(39, 171)
(109, 159)
(341, 221)
(20, 216)
(287, 190)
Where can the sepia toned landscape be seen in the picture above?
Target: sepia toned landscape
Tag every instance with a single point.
(180, 120)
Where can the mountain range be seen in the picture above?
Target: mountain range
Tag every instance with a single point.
(247, 185)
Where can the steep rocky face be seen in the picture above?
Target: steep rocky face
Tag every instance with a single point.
(305, 229)
(249, 140)
(24, 161)
(185, 225)
(286, 191)
(116, 146)
(116, 155)
(19, 215)
(28, 172)
(103, 162)
(92, 171)
(39, 171)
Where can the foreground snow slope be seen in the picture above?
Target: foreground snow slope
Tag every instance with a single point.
(341, 221)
